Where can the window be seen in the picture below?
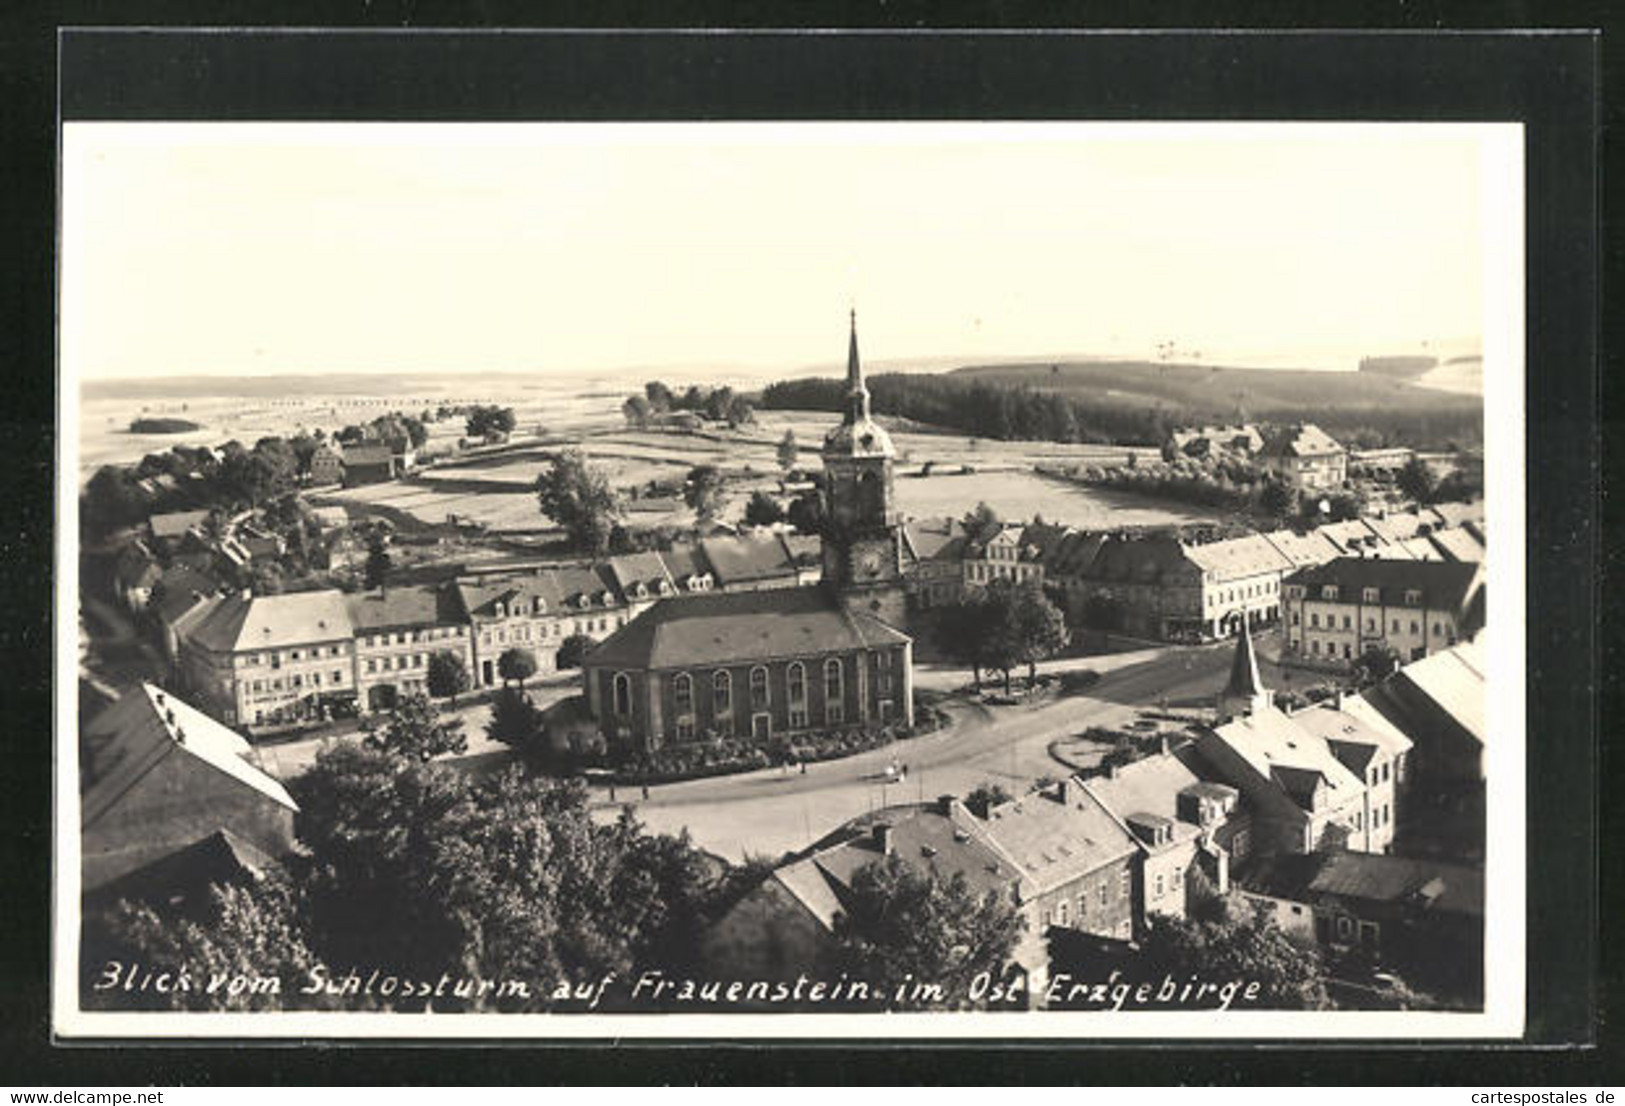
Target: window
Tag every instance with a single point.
(1160, 886)
(1394, 628)
(682, 691)
(623, 694)
(372, 665)
(1061, 913)
(338, 676)
(796, 678)
(758, 688)
(1314, 647)
(1347, 622)
(1296, 618)
(1414, 627)
(798, 716)
(1345, 928)
(1125, 882)
(1103, 890)
(1370, 625)
(1314, 620)
(722, 692)
(276, 660)
(685, 729)
(1384, 771)
(1241, 843)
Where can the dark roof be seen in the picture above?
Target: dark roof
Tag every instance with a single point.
(683, 561)
(1305, 440)
(928, 841)
(273, 621)
(410, 605)
(1370, 877)
(745, 559)
(368, 453)
(730, 628)
(560, 588)
(1244, 679)
(931, 538)
(1072, 553)
(1145, 559)
(1445, 585)
(180, 589)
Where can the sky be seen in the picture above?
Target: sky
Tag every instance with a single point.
(230, 249)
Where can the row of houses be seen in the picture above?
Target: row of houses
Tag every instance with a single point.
(268, 661)
(1295, 810)
(1157, 585)
(1302, 455)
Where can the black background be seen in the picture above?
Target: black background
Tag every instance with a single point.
(1548, 81)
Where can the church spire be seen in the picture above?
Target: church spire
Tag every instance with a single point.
(857, 394)
(1245, 693)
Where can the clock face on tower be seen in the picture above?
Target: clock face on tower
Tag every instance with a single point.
(868, 564)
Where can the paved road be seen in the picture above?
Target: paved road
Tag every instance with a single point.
(770, 812)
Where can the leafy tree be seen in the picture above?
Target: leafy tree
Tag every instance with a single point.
(657, 396)
(1239, 942)
(376, 571)
(580, 500)
(739, 412)
(1279, 498)
(447, 676)
(806, 513)
(351, 435)
(1376, 664)
(112, 500)
(485, 421)
(516, 665)
(763, 510)
(718, 403)
(904, 924)
(1036, 626)
(636, 409)
(574, 649)
(1417, 481)
(254, 931)
(266, 578)
(705, 491)
(981, 522)
(416, 433)
(961, 634)
(415, 729)
(515, 721)
(986, 796)
(788, 452)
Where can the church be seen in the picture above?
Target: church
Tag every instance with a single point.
(771, 664)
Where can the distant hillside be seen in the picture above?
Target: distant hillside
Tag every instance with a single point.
(1218, 391)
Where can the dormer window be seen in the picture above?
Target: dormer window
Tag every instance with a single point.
(1413, 597)
(538, 605)
(1370, 595)
(502, 610)
(1328, 591)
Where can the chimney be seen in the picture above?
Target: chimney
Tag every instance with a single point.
(1162, 743)
(882, 837)
(180, 736)
(247, 594)
(945, 805)
(1112, 768)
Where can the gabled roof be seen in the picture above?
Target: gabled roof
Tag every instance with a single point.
(1058, 834)
(405, 605)
(928, 840)
(1303, 440)
(1458, 543)
(1144, 559)
(1453, 679)
(934, 538)
(736, 627)
(175, 523)
(684, 561)
(1444, 585)
(1072, 553)
(368, 453)
(147, 724)
(741, 560)
(273, 621)
(1429, 886)
(1351, 535)
(1460, 514)
(1151, 785)
(180, 589)
(631, 569)
(1276, 748)
(1236, 558)
(1312, 548)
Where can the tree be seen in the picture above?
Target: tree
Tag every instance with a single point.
(902, 924)
(574, 650)
(378, 565)
(111, 500)
(705, 491)
(961, 634)
(516, 665)
(351, 435)
(416, 433)
(1279, 498)
(806, 513)
(516, 722)
(980, 522)
(486, 421)
(254, 931)
(580, 500)
(1239, 941)
(718, 403)
(1417, 481)
(1376, 664)
(636, 410)
(657, 396)
(986, 796)
(788, 452)
(739, 412)
(447, 676)
(415, 729)
(1036, 626)
(762, 510)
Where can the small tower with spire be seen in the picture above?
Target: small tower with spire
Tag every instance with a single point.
(1245, 694)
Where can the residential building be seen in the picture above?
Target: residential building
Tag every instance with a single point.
(272, 661)
(1182, 824)
(751, 562)
(537, 611)
(1241, 582)
(167, 530)
(1306, 457)
(167, 793)
(764, 663)
(1439, 703)
(933, 556)
(1142, 585)
(180, 597)
(1303, 550)
(369, 462)
(1013, 553)
(1424, 918)
(642, 579)
(689, 570)
(397, 630)
(1201, 442)
(325, 466)
(1339, 611)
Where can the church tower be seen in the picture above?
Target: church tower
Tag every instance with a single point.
(862, 547)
